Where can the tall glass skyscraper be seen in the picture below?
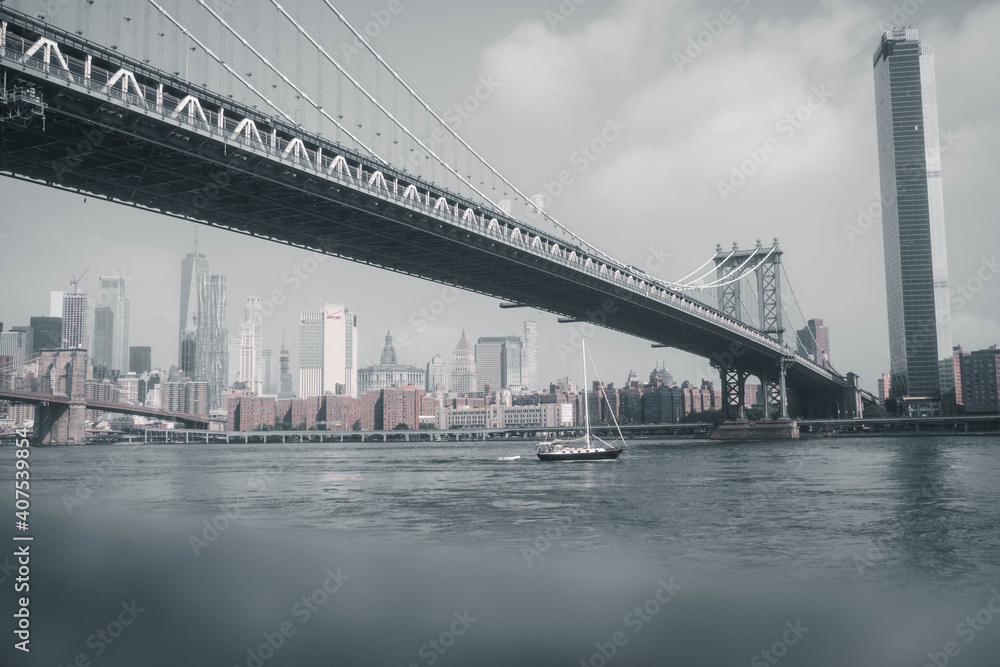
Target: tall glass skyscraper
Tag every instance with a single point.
(212, 338)
(111, 319)
(916, 265)
(193, 267)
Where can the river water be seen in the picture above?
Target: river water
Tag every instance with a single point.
(839, 551)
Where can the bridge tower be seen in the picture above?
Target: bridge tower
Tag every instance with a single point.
(731, 268)
(63, 373)
(765, 263)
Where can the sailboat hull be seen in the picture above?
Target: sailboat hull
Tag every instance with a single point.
(581, 455)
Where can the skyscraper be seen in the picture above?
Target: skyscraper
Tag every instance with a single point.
(498, 362)
(340, 350)
(212, 336)
(112, 297)
(47, 332)
(12, 344)
(529, 357)
(916, 267)
(189, 353)
(139, 359)
(193, 266)
(463, 368)
(437, 374)
(813, 341)
(266, 371)
(101, 348)
(311, 353)
(250, 346)
(74, 320)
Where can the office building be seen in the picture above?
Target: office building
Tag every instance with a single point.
(389, 372)
(74, 320)
(916, 266)
(189, 352)
(251, 370)
(311, 353)
(463, 368)
(47, 333)
(340, 350)
(193, 267)
(101, 348)
(28, 341)
(112, 343)
(529, 357)
(498, 363)
(813, 342)
(437, 374)
(267, 376)
(12, 344)
(884, 388)
(980, 381)
(140, 359)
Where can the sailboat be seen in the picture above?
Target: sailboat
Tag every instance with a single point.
(581, 449)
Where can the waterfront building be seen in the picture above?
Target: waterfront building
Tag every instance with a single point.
(913, 225)
(548, 415)
(980, 380)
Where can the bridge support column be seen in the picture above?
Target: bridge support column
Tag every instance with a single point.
(58, 424)
(733, 392)
(65, 372)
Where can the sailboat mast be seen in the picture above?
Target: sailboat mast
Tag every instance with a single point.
(586, 401)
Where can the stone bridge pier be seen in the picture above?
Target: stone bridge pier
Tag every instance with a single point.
(63, 373)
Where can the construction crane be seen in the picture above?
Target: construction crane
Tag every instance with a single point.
(75, 282)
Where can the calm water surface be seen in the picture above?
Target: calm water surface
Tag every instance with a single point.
(880, 546)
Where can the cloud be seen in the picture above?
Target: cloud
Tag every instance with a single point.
(692, 120)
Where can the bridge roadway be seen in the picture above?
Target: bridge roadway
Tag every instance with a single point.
(119, 129)
(37, 398)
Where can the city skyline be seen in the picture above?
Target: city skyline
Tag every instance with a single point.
(843, 226)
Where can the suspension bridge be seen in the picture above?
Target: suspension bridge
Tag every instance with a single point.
(382, 180)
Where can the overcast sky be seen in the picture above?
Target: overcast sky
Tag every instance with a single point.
(564, 72)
